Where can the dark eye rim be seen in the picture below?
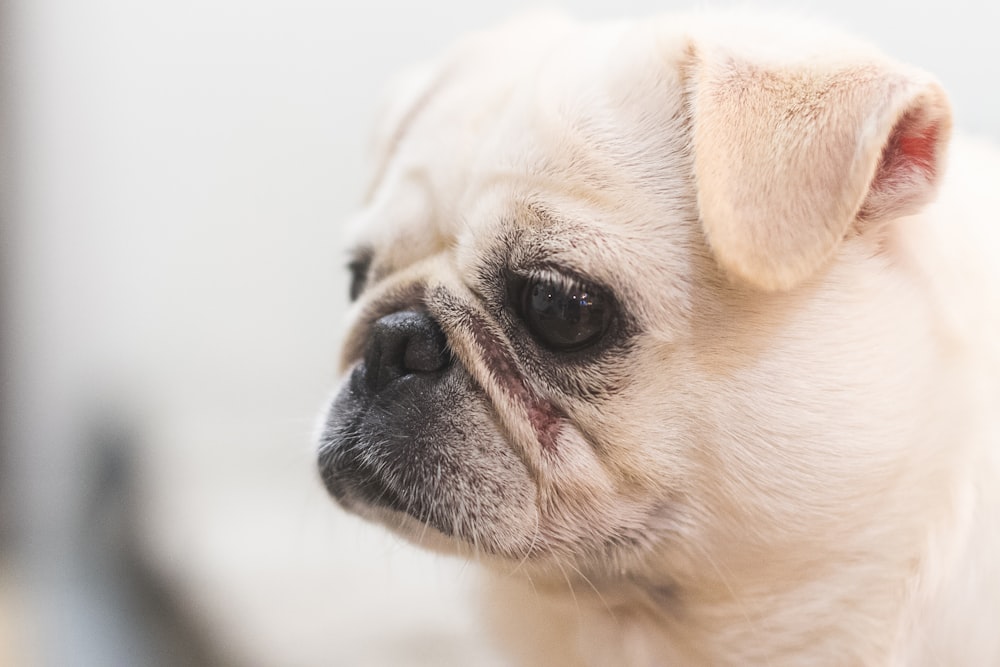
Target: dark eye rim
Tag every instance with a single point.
(359, 267)
(517, 289)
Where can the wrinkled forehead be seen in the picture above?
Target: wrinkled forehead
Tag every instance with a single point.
(571, 135)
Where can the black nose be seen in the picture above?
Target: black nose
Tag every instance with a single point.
(401, 344)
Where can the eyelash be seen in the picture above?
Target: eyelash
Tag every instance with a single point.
(561, 280)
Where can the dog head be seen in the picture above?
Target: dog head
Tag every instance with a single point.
(633, 296)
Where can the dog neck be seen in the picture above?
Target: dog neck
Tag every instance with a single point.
(846, 607)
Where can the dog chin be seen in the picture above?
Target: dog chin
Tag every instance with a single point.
(411, 529)
(423, 455)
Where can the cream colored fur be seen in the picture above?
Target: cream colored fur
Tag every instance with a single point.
(798, 461)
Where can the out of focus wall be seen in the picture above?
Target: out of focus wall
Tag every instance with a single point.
(175, 177)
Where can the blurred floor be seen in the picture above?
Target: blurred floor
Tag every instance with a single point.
(14, 641)
(313, 585)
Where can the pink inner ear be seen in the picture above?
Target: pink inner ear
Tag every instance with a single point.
(907, 168)
(912, 144)
(919, 147)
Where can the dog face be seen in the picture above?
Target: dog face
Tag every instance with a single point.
(631, 298)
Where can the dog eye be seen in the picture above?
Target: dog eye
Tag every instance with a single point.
(563, 315)
(359, 273)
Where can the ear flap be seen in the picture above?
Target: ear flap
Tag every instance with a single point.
(787, 158)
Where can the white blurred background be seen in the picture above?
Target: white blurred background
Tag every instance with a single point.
(174, 177)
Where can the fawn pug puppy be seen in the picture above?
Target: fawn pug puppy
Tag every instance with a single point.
(660, 319)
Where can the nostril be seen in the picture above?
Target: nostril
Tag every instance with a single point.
(426, 352)
(402, 344)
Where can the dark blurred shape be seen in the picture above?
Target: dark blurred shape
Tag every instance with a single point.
(134, 610)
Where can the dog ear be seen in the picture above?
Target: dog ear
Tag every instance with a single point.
(787, 158)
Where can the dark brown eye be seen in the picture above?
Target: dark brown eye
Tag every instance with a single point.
(359, 267)
(564, 315)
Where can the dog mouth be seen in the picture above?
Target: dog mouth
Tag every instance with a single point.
(371, 454)
(350, 476)
(365, 486)
(429, 446)
(354, 482)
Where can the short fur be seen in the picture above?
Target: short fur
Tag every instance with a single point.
(787, 449)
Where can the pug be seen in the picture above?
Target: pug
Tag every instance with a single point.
(680, 329)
